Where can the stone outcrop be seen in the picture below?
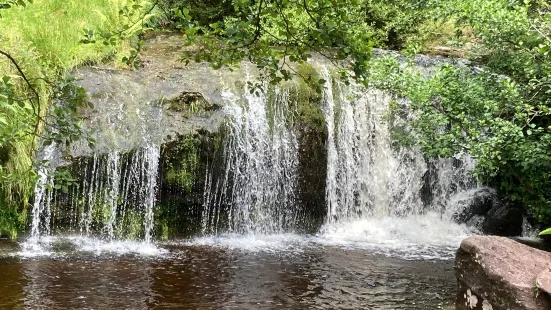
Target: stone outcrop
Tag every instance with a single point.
(478, 203)
(504, 219)
(161, 101)
(497, 273)
(485, 211)
(544, 281)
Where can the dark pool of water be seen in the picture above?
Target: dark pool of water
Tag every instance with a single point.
(206, 277)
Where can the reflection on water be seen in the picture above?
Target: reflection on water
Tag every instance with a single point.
(202, 276)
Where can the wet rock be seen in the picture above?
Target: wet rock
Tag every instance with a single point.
(544, 281)
(477, 203)
(500, 274)
(160, 101)
(476, 221)
(503, 219)
(534, 242)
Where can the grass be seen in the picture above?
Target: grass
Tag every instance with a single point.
(52, 29)
(44, 38)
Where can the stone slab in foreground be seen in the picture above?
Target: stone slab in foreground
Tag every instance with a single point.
(501, 274)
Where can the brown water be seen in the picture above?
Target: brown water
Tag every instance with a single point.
(194, 276)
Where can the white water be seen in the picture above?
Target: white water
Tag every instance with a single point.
(425, 236)
(41, 193)
(112, 184)
(276, 243)
(112, 191)
(70, 246)
(374, 189)
(150, 164)
(256, 191)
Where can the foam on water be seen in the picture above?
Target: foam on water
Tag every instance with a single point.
(414, 237)
(118, 247)
(75, 245)
(254, 242)
(34, 248)
(427, 237)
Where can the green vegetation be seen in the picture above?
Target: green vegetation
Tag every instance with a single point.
(545, 232)
(499, 114)
(131, 226)
(182, 169)
(39, 46)
(308, 100)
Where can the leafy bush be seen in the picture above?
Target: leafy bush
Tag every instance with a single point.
(500, 114)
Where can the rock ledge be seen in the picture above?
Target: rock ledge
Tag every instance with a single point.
(501, 274)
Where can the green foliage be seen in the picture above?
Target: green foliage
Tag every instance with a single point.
(309, 108)
(273, 34)
(545, 232)
(500, 114)
(394, 23)
(204, 12)
(182, 170)
(131, 226)
(133, 18)
(8, 4)
(39, 45)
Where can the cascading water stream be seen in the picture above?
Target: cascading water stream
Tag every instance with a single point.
(42, 194)
(256, 191)
(150, 164)
(114, 197)
(374, 189)
(112, 190)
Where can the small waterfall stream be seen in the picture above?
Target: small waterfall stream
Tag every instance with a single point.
(112, 191)
(42, 195)
(368, 176)
(256, 192)
(114, 198)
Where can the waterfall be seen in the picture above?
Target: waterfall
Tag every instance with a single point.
(375, 189)
(150, 164)
(109, 186)
(42, 194)
(112, 190)
(255, 192)
(367, 176)
(378, 191)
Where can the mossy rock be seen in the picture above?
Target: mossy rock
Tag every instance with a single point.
(193, 102)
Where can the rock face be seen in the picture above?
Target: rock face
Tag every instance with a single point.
(482, 209)
(500, 274)
(159, 102)
(478, 203)
(504, 219)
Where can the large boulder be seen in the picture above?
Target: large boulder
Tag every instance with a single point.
(504, 219)
(480, 208)
(498, 273)
(473, 203)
